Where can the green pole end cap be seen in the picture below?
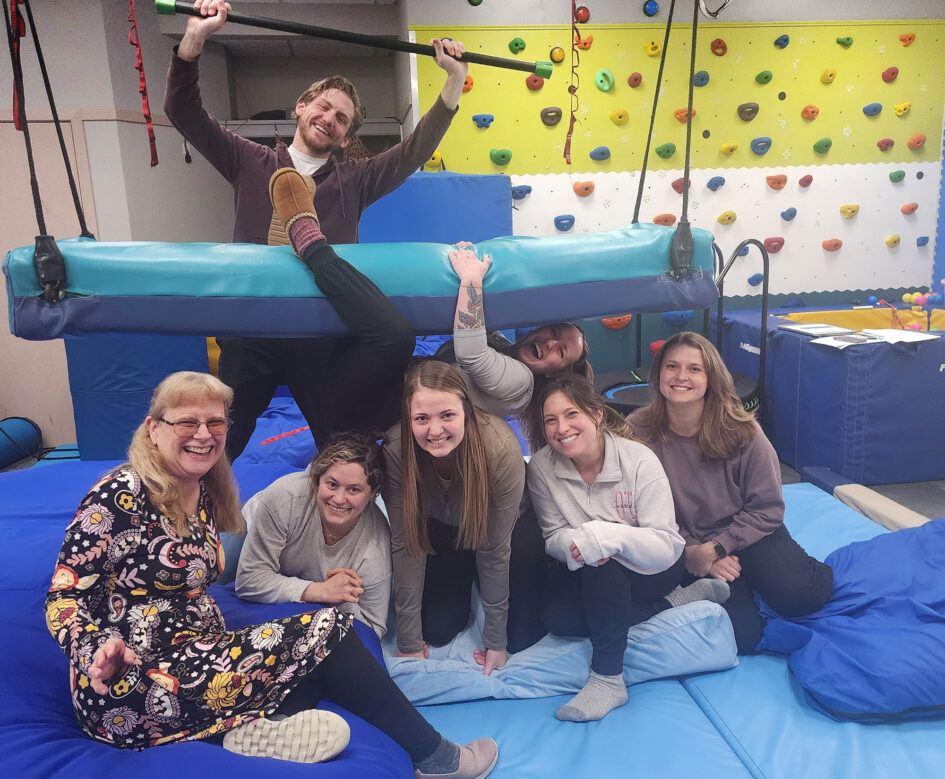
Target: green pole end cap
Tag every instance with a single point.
(164, 6)
(544, 69)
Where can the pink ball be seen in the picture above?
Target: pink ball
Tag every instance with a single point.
(915, 326)
(921, 300)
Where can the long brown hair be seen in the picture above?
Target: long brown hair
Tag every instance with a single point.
(726, 427)
(531, 419)
(472, 464)
(586, 398)
(163, 487)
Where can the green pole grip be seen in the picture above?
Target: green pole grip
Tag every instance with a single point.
(164, 6)
(544, 68)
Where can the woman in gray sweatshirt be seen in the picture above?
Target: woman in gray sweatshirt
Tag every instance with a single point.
(606, 512)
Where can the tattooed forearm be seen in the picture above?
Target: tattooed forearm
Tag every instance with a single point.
(473, 316)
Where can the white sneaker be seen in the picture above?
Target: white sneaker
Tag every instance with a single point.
(311, 736)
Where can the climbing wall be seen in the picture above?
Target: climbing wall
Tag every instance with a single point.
(824, 138)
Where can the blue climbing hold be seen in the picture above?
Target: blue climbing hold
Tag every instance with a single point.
(922, 240)
(743, 251)
(782, 41)
(600, 154)
(677, 318)
(483, 120)
(788, 214)
(519, 192)
(564, 222)
(651, 8)
(701, 78)
(872, 109)
(715, 183)
(755, 279)
(761, 145)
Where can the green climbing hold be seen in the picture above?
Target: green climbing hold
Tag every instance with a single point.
(896, 176)
(846, 41)
(516, 45)
(823, 145)
(666, 151)
(764, 77)
(500, 156)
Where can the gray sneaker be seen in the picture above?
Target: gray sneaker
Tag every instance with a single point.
(311, 736)
(476, 761)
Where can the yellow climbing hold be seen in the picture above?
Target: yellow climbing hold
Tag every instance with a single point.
(849, 211)
(619, 116)
(728, 148)
(903, 108)
(727, 217)
(892, 241)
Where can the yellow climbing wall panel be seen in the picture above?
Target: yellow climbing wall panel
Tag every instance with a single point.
(795, 83)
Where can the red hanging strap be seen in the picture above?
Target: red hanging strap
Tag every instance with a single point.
(575, 80)
(17, 31)
(142, 84)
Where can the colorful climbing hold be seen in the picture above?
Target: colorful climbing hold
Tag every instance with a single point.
(756, 278)
(519, 192)
(564, 222)
(907, 38)
(634, 80)
(728, 148)
(715, 183)
(667, 220)
(718, 47)
(849, 211)
(584, 43)
(788, 214)
(682, 114)
(885, 144)
(581, 14)
(903, 108)
(534, 83)
(743, 252)
(832, 244)
(619, 116)
(805, 181)
(678, 184)
(776, 182)
(483, 120)
(583, 188)
(651, 8)
(782, 41)
(922, 240)
(896, 176)
(916, 142)
(500, 156)
(747, 111)
(600, 154)
(550, 116)
(726, 217)
(700, 78)
(677, 318)
(809, 112)
(556, 55)
(773, 245)
(665, 151)
(892, 241)
(872, 109)
(909, 208)
(828, 76)
(604, 80)
(889, 75)
(467, 83)
(652, 48)
(764, 77)
(761, 145)
(846, 41)
(433, 164)
(616, 322)
(823, 146)
(516, 45)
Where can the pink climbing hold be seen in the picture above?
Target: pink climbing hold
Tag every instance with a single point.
(773, 245)
(805, 181)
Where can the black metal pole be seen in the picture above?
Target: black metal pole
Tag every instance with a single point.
(541, 68)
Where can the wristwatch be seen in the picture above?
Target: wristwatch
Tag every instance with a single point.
(719, 550)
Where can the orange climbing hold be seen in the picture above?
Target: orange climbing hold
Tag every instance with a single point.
(583, 188)
(667, 220)
(682, 114)
(832, 244)
(584, 43)
(809, 112)
(617, 322)
(907, 38)
(468, 83)
(909, 208)
(916, 142)
(776, 182)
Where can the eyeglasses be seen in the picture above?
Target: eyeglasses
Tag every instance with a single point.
(187, 427)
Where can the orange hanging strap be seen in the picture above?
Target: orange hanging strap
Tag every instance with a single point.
(575, 80)
(142, 84)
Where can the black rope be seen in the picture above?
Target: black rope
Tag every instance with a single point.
(656, 99)
(84, 230)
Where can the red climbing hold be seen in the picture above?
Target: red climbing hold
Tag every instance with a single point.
(582, 14)
(635, 80)
(885, 144)
(678, 185)
(718, 47)
(773, 245)
(534, 83)
(889, 75)
(805, 181)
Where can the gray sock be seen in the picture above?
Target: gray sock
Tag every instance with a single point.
(600, 695)
(444, 760)
(714, 590)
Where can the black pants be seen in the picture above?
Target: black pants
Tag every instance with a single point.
(603, 603)
(788, 579)
(353, 678)
(339, 384)
(447, 586)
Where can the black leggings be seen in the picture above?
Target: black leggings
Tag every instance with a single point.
(352, 383)
(353, 678)
(788, 579)
(602, 603)
(447, 585)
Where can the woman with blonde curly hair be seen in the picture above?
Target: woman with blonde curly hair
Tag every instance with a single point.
(151, 659)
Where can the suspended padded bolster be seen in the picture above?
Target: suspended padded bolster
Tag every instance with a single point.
(250, 290)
